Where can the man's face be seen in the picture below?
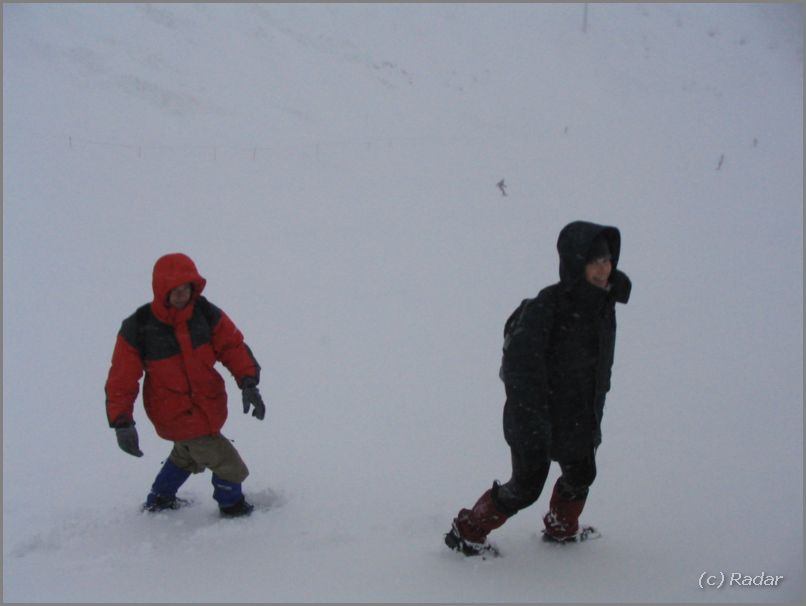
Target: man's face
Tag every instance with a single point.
(179, 297)
(597, 272)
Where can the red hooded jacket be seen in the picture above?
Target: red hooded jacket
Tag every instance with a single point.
(183, 395)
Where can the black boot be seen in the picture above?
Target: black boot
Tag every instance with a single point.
(158, 502)
(239, 509)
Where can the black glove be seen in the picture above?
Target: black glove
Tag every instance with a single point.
(251, 395)
(128, 440)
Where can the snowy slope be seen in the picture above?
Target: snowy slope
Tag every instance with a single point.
(332, 170)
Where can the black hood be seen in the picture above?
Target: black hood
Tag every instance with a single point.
(574, 243)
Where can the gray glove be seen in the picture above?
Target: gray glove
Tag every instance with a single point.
(128, 440)
(250, 395)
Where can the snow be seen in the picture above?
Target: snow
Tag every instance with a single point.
(332, 170)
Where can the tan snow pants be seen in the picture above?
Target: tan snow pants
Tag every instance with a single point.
(215, 453)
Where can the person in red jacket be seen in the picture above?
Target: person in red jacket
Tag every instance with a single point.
(176, 341)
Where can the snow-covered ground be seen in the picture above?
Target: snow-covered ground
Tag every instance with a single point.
(332, 169)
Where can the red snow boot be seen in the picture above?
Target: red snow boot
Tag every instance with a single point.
(562, 520)
(471, 527)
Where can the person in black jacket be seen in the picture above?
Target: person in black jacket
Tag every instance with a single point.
(557, 358)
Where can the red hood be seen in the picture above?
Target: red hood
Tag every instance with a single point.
(171, 271)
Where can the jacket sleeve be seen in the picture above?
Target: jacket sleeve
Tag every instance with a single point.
(233, 352)
(123, 382)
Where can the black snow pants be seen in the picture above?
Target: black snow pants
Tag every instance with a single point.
(529, 472)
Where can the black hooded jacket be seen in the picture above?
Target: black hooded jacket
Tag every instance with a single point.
(558, 352)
